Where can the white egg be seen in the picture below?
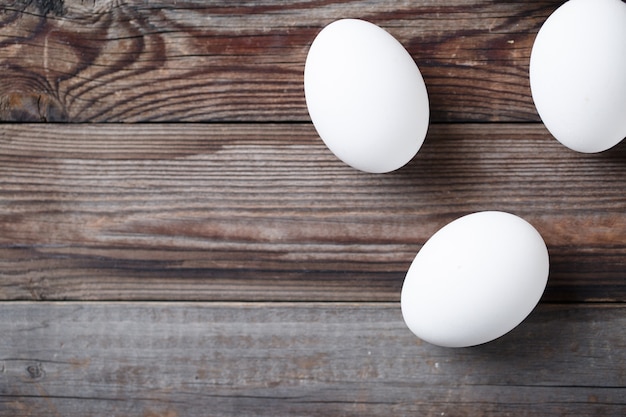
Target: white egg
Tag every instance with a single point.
(578, 74)
(366, 96)
(475, 279)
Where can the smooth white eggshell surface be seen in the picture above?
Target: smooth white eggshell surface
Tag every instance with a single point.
(366, 96)
(475, 279)
(578, 74)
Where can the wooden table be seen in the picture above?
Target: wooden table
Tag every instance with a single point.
(187, 246)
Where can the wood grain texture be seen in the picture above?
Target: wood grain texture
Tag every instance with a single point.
(191, 60)
(328, 359)
(236, 267)
(266, 212)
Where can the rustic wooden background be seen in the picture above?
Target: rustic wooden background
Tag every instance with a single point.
(187, 246)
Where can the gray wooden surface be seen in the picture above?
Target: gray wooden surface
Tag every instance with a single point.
(183, 244)
(295, 359)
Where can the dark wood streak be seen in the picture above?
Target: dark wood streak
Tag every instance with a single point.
(135, 61)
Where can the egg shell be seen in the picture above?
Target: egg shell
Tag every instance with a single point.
(475, 279)
(578, 74)
(365, 95)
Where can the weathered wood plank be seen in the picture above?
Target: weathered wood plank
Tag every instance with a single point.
(265, 212)
(264, 359)
(191, 60)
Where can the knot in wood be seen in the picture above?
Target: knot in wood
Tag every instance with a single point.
(44, 7)
(35, 371)
(31, 107)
